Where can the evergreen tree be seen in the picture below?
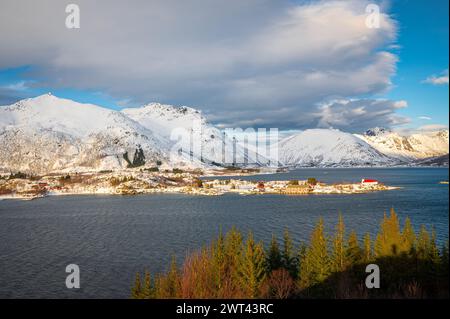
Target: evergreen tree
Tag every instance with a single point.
(316, 265)
(408, 236)
(170, 284)
(354, 254)
(423, 243)
(218, 260)
(367, 248)
(136, 291)
(233, 254)
(147, 290)
(339, 247)
(274, 256)
(252, 268)
(289, 261)
(434, 250)
(389, 239)
(304, 267)
(139, 158)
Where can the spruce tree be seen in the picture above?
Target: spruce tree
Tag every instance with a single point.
(389, 239)
(423, 243)
(433, 254)
(395, 238)
(233, 254)
(433, 259)
(289, 261)
(172, 280)
(354, 254)
(147, 290)
(136, 291)
(219, 261)
(317, 264)
(339, 247)
(367, 248)
(408, 236)
(304, 268)
(252, 268)
(274, 256)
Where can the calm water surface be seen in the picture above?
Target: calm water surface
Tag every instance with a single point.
(113, 237)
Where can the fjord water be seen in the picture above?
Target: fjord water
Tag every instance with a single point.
(112, 237)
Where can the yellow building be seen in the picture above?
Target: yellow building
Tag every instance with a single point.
(297, 189)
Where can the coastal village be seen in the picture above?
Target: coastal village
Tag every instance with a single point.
(148, 181)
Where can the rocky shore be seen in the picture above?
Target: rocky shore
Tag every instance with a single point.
(133, 182)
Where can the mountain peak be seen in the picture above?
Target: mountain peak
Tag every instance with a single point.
(44, 97)
(155, 108)
(376, 131)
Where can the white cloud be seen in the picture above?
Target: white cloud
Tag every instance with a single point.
(10, 93)
(426, 118)
(18, 86)
(361, 114)
(432, 127)
(438, 80)
(244, 63)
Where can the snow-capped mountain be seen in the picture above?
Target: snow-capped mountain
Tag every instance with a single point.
(187, 129)
(49, 134)
(328, 147)
(46, 133)
(408, 148)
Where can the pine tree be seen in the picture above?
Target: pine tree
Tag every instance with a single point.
(139, 158)
(434, 250)
(218, 261)
(147, 290)
(354, 254)
(304, 267)
(423, 243)
(408, 236)
(233, 254)
(389, 239)
(367, 248)
(339, 247)
(274, 256)
(252, 268)
(316, 265)
(289, 261)
(171, 283)
(136, 291)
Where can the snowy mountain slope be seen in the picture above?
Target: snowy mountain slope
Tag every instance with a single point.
(188, 130)
(408, 148)
(46, 133)
(432, 161)
(328, 147)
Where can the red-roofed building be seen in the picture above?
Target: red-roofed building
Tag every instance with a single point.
(261, 187)
(366, 181)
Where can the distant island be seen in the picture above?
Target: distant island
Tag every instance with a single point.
(150, 181)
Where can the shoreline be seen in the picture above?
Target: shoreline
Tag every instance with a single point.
(199, 192)
(141, 182)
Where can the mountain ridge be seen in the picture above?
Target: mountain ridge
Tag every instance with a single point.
(49, 134)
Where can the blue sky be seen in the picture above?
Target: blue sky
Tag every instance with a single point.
(423, 37)
(24, 86)
(286, 64)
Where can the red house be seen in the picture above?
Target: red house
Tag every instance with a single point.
(366, 181)
(260, 186)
